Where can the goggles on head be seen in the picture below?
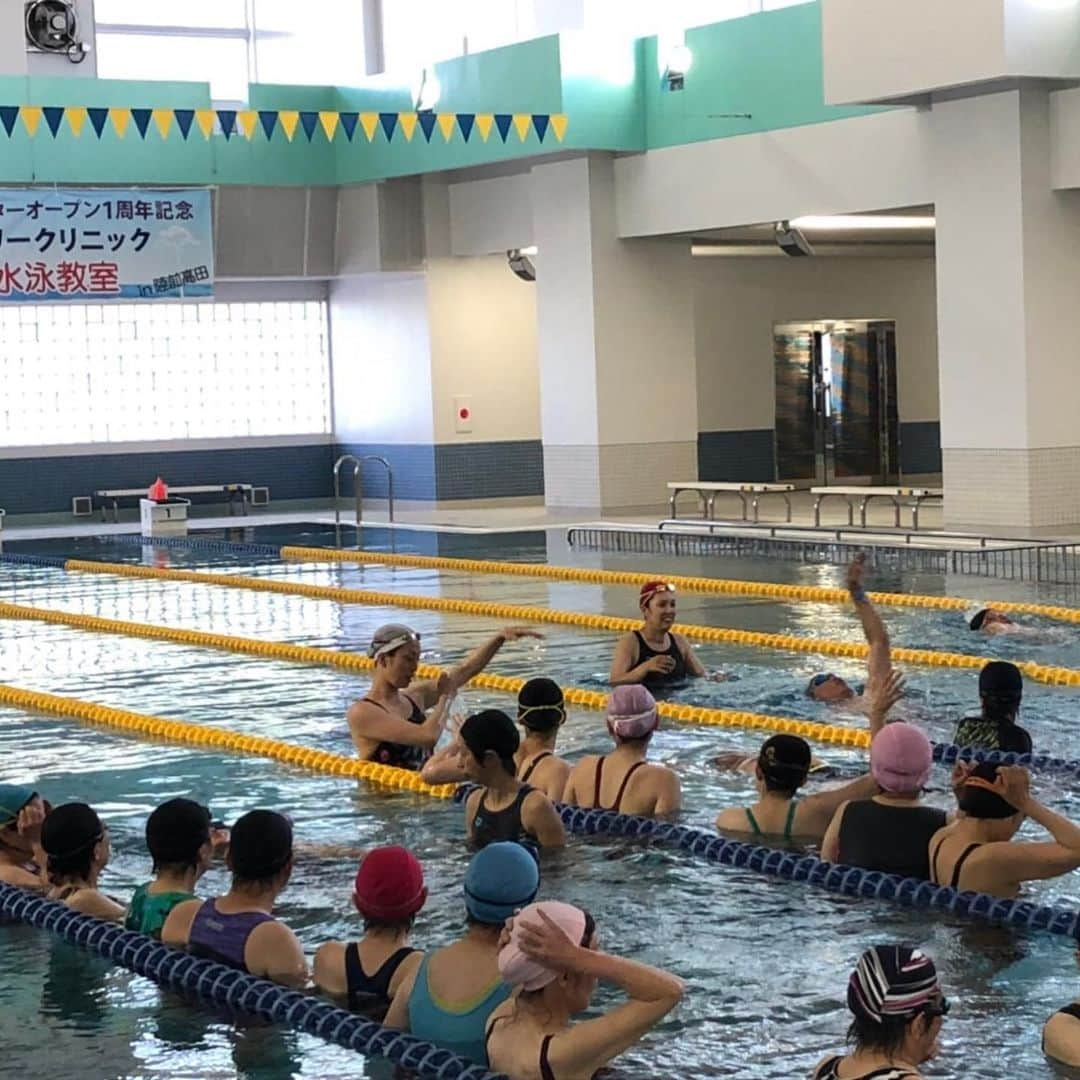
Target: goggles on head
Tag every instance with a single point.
(381, 648)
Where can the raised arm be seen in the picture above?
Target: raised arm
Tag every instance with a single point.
(879, 662)
(882, 695)
(481, 656)
(1036, 862)
(815, 812)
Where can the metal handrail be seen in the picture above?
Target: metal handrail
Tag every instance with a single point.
(358, 487)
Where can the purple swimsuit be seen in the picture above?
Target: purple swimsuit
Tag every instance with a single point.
(222, 938)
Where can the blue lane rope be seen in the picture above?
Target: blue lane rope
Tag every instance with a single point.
(220, 985)
(271, 551)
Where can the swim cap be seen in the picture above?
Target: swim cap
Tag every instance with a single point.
(975, 615)
(500, 879)
(389, 885)
(260, 845)
(390, 638)
(631, 712)
(900, 758)
(13, 797)
(893, 980)
(977, 802)
(785, 760)
(71, 829)
(491, 730)
(1001, 679)
(176, 830)
(516, 968)
(540, 705)
(650, 589)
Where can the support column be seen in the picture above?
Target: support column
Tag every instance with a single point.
(1008, 277)
(618, 388)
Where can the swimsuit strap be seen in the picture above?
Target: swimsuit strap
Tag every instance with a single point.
(960, 864)
(754, 827)
(377, 704)
(933, 862)
(545, 1065)
(827, 1069)
(596, 786)
(354, 970)
(626, 780)
(532, 764)
(792, 807)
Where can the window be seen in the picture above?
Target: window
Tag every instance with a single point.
(86, 373)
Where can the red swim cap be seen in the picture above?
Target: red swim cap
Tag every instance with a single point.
(389, 885)
(651, 588)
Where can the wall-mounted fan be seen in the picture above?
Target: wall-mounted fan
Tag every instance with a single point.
(53, 27)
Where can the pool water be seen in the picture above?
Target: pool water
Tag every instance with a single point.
(766, 961)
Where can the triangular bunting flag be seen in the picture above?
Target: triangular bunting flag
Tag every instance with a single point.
(31, 118)
(521, 124)
(540, 123)
(558, 125)
(502, 123)
(289, 118)
(329, 121)
(369, 121)
(308, 120)
(97, 120)
(483, 124)
(427, 123)
(446, 124)
(465, 121)
(8, 115)
(227, 120)
(246, 120)
(348, 123)
(205, 119)
(389, 122)
(268, 119)
(120, 119)
(408, 124)
(142, 120)
(163, 121)
(54, 116)
(184, 118)
(76, 118)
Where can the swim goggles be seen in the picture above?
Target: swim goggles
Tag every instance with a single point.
(557, 707)
(650, 590)
(937, 1006)
(381, 648)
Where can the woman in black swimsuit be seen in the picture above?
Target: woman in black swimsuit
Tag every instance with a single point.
(897, 1004)
(552, 956)
(654, 655)
(1061, 1035)
(541, 712)
(389, 892)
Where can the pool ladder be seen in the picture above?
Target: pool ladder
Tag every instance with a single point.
(358, 487)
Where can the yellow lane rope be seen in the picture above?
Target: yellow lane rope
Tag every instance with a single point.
(205, 736)
(764, 590)
(308, 654)
(1056, 676)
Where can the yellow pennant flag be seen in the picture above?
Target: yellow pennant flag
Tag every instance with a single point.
(521, 124)
(205, 119)
(558, 125)
(369, 121)
(163, 119)
(31, 117)
(407, 121)
(329, 121)
(445, 121)
(246, 119)
(289, 118)
(483, 124)
(120, 119)
(76, 118)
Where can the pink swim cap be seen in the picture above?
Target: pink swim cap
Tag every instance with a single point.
(900, 758)
(516, 968)
(631, 712)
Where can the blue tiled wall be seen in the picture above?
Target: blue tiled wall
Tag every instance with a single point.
(920, 447)
(731, 456)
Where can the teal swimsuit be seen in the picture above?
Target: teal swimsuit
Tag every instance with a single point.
(756, 829)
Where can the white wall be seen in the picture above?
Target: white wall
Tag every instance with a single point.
(738, 301)
(483, 346)
(487, 216)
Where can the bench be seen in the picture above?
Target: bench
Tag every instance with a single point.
(917, 497)
(235, 492)
(707, 490)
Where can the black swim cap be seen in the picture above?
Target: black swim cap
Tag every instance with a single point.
(784, 761)
(71, 829)
(540, 705)
(491, 730)
(260, 845)
(977, 802)
(1001, 679)
(176, 830)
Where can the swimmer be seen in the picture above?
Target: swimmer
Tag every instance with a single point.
(239, 929)
(22, 858)
(392, 726)
(503, 808)
(1001, 689)
(455, 989)
(181, 842)
(978, 853)
(623, 780)
(983, 619)
(551, 954)
(1061, 1035)
(831, 688)
(655, 655)
(898, 1006)
(77, 845)
(389, 892)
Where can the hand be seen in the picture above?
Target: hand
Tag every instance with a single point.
(454, 727)
(717, 676)
(662, 665)
(961, 771)
(546, 942)
(884, 695)
(31, 818)
(855, 571)
(1013, 784)
(219, 840)
(443, 685)
(507, 930)
(730, 762)
(513, 633)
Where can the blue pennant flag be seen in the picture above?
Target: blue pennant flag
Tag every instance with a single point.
(348, 123)
(268, 119)
(8, 115)
(465, 121)
(184, 119)
(389, 123)
(142, 120)
(503, 122)
(308, 120)
(54, 115)
(540, 122)
(227, 120)
(427, 123)
(98, 117)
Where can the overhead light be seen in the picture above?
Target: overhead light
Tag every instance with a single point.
(532, 249)
(674, 60)
(856, 222)
(428, 92)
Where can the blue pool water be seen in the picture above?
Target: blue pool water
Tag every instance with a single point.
(766, 961)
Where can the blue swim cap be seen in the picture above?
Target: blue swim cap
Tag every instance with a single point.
(501, 878)
(13, 797)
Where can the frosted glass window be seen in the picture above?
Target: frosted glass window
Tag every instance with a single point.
(123, 372)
